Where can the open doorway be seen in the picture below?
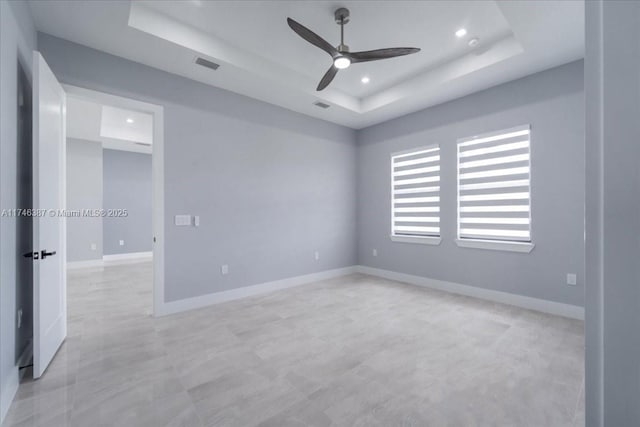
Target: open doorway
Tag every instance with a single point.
(113, 203)
(51, 213)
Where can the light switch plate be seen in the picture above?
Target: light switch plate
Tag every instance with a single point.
(121, 242)
(183, 220)
(196, 221)
(317, 256)
(375, 252)
(94, 246)
(224, 269)
(572, 279)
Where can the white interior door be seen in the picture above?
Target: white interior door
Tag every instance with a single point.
(49, 273)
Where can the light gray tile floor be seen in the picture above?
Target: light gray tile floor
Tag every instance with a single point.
(353, 351)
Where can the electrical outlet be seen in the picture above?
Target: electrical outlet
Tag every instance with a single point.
(572, 279)
(224, 269)
(121, 242)
(94, 246)
(19, 318)
(317, 255)
(374, 252)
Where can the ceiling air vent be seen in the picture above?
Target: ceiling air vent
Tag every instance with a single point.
(321, 105)
(207, 63)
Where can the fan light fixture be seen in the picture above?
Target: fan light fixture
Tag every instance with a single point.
(342, 62)
(129, 120)
(461, 32)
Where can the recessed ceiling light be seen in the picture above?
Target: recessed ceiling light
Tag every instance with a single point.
(129, 120)
(365, 80)
(474, 42)
(461, 32)
(342, 62)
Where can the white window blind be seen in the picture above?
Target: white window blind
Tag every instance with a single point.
(494, 186)
(415, 192)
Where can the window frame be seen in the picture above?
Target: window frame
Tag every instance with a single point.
(424, 240)
(498, 245)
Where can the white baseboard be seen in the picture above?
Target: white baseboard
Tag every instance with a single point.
(545, 306)
(8, 392)
(248, 291)
(550, 307)
(114, 259)
(126, 258)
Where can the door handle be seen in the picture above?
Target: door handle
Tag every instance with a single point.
(44, 254)
(34, 255)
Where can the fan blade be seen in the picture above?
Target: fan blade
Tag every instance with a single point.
(312, 37)
(374, 55)
(326, 79)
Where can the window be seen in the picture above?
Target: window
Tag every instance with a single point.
(494, 189)
(415, 195)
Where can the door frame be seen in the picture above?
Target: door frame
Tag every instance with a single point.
(157, 174)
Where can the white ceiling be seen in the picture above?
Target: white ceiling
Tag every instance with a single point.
(118, 123)
(261, 57)
(262, 31)
(115, 128)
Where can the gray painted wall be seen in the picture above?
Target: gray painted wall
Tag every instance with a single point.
(127, 185)
(228, 155)
(17, 40)
(553, 103)
(84, 191)
(613, 214)
(271, 186)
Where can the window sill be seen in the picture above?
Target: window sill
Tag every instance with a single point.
(495, 245)
(415, 239)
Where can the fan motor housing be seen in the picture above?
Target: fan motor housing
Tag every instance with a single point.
(342, 15)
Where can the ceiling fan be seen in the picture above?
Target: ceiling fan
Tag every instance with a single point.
(341, 56)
